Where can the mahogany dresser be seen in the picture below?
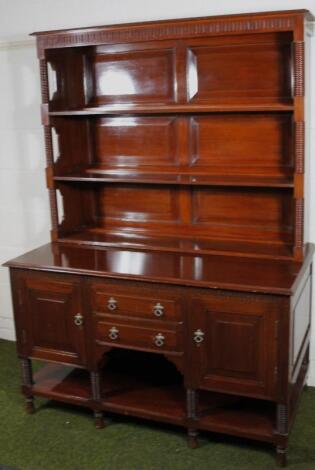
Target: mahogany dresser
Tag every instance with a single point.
(177, 285)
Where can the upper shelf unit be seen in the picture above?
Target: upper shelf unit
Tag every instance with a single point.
(189, 130)
(245, 72)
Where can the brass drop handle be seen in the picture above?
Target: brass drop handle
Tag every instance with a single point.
(112, 304)
(78, 319)
(113, 333)
(199, 336)
(159, 340)
(158, 309)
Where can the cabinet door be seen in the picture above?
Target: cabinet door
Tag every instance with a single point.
(233, 341)
(52, 318)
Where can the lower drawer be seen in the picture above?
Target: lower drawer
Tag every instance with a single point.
(135, 336)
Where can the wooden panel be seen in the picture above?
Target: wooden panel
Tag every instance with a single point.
(140, 204)
(239, 351)
(239, 70)
(245, 330)
(71, 151)
(141, 302)
(132, 141)
(251, 213)
(133, 75)
(242, 143)
(72, 197)
(138, 335)
(64, 64)
(301, 320)
(51, 304)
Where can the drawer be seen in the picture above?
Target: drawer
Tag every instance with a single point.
(139, 336)
(131, 301)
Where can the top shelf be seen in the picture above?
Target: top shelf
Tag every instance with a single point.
(172, 109)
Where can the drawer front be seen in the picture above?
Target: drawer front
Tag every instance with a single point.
(137, 302)
(138, 336)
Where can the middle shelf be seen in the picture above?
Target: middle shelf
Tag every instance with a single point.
(133, 176)
(218, 149)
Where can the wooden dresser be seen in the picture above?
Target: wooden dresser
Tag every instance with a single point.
(177, 285)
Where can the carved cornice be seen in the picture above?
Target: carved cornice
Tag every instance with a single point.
(166, 30)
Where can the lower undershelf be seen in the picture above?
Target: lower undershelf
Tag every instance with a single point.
(140, 396)
(99, 237)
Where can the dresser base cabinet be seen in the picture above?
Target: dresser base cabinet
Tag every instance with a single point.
(204, 359)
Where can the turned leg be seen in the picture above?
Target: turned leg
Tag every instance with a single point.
(192, 433)
(96, 396)
(282, 430)
(192, 438)
(281, 457)
(27, 383)
(98, 419)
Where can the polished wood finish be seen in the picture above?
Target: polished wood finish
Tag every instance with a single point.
(55, 303)
(177, 286)
(237, 273)
(248, 327)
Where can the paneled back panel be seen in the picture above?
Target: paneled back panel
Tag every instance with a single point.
(217, 144)
(242, 143)
(239, 69)
(263, 215)
(132, 74)
(133, 142)
(246, 213)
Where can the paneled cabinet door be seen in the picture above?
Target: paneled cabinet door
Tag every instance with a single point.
(53, 319)
(233, 341)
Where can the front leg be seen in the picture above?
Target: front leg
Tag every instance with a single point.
(27, 384)
(191, 403)
(96, 396)
(282, 430)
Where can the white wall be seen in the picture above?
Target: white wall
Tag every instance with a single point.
(22, 180)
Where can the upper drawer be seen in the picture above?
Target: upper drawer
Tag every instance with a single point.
(129, 300)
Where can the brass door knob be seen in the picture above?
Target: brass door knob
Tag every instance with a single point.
(158, 309)
(159, 340)
(199, 336)
(113, 333)
(78, 319)
(112, 304)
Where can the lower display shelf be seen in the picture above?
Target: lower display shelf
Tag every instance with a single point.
(100, 237)
(124, 394)
(237, 416)
(142, 397)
